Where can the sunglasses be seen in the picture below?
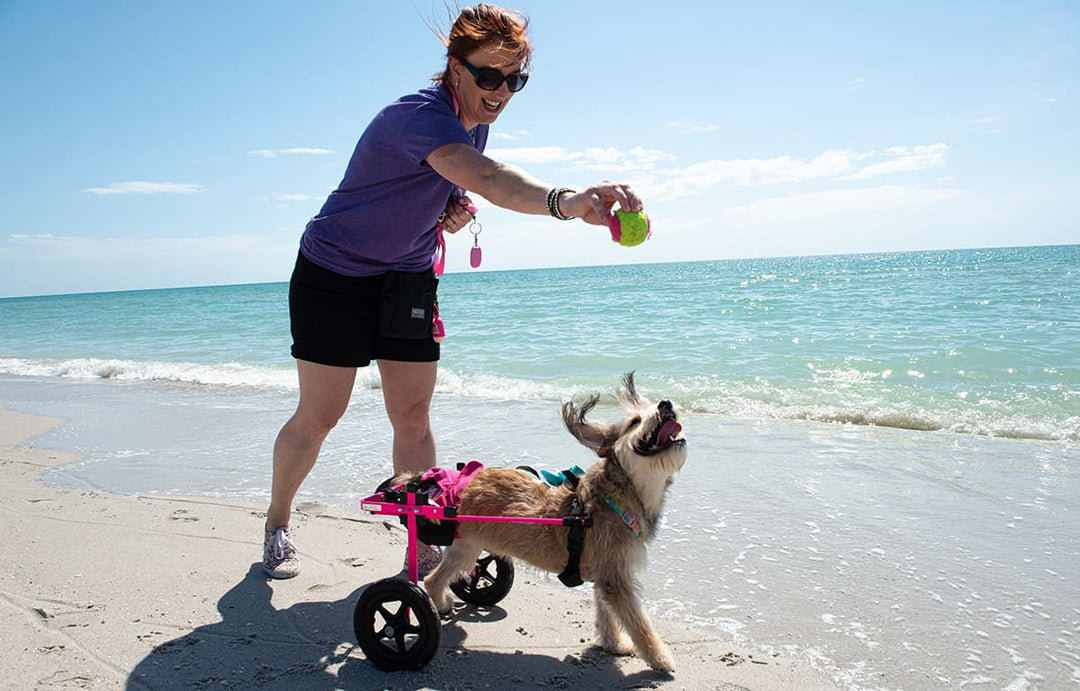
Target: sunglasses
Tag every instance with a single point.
(489, 78)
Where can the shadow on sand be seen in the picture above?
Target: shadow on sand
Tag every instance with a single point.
(311, 645)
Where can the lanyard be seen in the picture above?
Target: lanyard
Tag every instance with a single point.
(455, 194)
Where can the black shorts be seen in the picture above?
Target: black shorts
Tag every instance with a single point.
(335, 320)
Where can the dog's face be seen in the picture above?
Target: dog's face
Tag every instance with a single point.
(648, 442)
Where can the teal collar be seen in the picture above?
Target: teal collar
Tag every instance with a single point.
(628, 518)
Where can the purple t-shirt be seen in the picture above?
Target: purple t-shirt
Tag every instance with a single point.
(382, 216)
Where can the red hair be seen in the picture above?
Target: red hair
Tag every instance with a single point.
(486, 25)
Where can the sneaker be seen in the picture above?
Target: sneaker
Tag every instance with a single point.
(279, 554)
(426, 561)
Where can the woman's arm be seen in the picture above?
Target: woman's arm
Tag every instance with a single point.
(515, 189)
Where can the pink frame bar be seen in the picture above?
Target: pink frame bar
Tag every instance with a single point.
(377, 504)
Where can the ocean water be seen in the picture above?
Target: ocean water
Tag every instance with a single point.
(884, 462)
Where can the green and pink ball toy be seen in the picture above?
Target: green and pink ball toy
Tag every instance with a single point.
(630, 228)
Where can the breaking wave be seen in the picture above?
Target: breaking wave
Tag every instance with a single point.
(863, 403)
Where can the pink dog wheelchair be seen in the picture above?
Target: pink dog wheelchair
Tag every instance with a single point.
(396, 623)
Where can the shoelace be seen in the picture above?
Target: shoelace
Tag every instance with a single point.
(279, 542)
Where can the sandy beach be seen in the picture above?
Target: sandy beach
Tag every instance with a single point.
(103, 591)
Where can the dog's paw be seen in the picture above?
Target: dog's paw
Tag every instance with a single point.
(620, 645)
(444, 604)
(661, 661)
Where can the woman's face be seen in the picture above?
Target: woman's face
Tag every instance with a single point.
(477, 105)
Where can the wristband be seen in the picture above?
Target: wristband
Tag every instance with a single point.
(553, 202)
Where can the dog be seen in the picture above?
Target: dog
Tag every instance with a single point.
(623, 493)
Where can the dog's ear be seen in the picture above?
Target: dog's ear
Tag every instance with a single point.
(397, 480)
(628, 394)
(387, 484)
(594, 435)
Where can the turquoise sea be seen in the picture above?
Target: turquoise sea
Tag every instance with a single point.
(885, 449)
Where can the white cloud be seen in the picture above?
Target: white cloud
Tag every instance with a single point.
(141, 187)
(615, 161)
(656, 179)
(294, 198)
(510, 136)
(988, 124)
(526, 155)
(855, 84)
(608, 160)
(688, 128)
(699, 177)
(904, 160)
(295, 151)
(818, 205)
(651, 172)
(835, 164)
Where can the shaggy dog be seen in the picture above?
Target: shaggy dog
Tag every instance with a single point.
(623, 493)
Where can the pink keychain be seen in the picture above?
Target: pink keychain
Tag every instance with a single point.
(476, 254)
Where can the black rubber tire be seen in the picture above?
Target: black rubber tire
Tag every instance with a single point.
(396, 625)
(489, 582)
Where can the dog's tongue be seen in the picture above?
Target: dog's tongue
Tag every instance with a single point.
(668, 432)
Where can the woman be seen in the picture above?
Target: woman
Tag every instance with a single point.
(372, 247)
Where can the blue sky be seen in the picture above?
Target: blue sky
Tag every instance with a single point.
(162, 144)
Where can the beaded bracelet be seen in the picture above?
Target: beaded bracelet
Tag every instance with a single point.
(553, 202)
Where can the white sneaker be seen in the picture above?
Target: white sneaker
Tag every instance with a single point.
(279, 554)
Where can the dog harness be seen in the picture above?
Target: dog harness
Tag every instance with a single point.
(575, 538)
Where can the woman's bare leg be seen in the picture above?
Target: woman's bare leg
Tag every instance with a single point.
(407, 391)
(324, 396)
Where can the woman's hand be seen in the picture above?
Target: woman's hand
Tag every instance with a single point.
(594, 204)
(457, 214)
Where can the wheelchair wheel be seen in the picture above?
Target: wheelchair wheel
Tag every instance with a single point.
(396, 625)
(489, 582)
